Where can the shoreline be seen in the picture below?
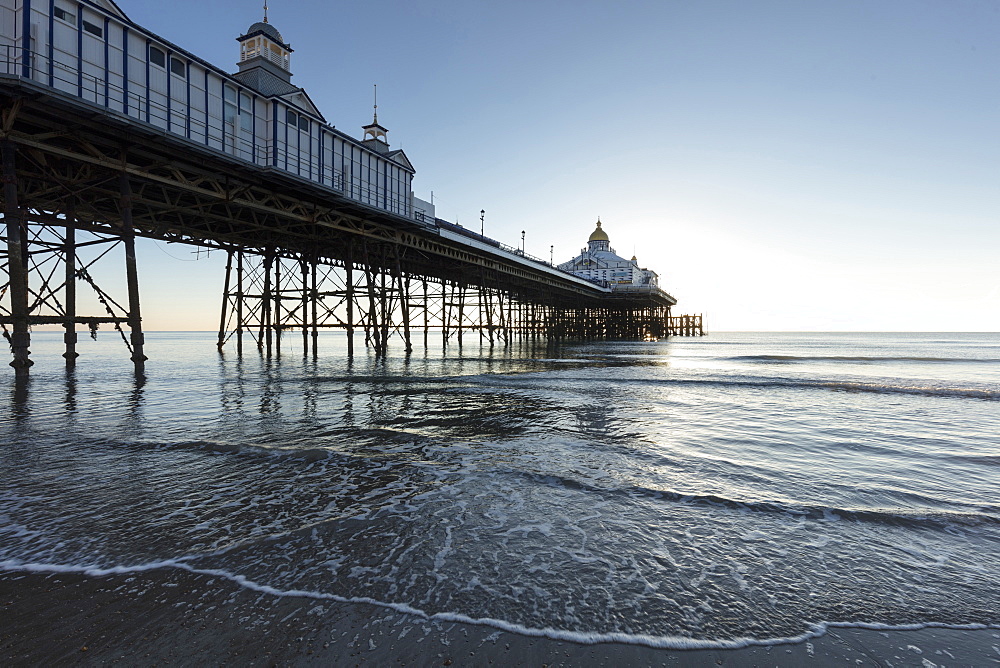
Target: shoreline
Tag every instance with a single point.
(172, 615)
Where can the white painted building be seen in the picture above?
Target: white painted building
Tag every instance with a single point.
(599, 263)
(91, 50)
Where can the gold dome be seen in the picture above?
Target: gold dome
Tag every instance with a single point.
(598, 234)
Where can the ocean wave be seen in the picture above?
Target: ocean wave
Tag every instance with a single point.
(923, 390)
(584, 637)
(986, 460)
(860, 358)
(983, 514)
(977, 515)
(874, 387)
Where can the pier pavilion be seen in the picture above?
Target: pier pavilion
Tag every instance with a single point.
(109, 131)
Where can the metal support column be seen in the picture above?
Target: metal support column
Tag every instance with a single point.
(404, 302)
(349, 287)
(69, 249)
(427, 306)
(315, 309)
(304, 268)
(239, 303)
(131, 274)
(276, 313)
(17, 270)
(265, 304)
(225, 299)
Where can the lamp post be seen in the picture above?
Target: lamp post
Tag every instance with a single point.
(482, 222)
(522, 242)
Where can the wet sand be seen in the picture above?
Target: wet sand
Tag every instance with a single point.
(173, 617)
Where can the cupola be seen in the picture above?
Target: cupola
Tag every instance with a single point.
(375, 135)
(262, 47)
(598, 240)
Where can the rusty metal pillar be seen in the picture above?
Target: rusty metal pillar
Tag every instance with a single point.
(17, 269)
(69, 335)
(131, 274)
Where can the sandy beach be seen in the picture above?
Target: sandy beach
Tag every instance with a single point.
(172, 617)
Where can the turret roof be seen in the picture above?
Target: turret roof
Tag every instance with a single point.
(267, 29)
(598, 234)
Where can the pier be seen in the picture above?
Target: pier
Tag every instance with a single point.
(109, 132)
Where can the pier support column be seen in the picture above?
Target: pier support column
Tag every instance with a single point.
(306, 292)
(264, 338)
(427, 306)
(315, 308)
(131, 275)
(225, 299)
(384, 301)
(17, 269)
(349, 288)
(404, 301)
(461, 310)
(276, 313)
(69, 248)
(239, 303)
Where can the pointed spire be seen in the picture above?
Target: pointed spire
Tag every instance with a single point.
(375, 132)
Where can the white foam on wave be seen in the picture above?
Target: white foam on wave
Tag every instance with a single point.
(582, 637)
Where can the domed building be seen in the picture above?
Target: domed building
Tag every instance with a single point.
(599, 263)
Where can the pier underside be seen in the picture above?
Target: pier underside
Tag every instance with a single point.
(80, 184)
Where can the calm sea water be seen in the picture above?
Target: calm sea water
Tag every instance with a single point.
(739, 486)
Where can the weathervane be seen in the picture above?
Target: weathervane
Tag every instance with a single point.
(265, 11)
(376, 104)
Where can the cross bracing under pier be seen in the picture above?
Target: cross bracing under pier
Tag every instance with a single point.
(78, 177)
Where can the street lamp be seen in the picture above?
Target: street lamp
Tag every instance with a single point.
(522, 242)
(482, 222)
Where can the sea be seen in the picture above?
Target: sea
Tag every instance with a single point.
(717, 491)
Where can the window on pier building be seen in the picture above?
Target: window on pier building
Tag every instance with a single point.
(230, 110)
(63, 15)
(231, 118)
(157, 57)
(93, 28)
(246, 112)
(178, 66)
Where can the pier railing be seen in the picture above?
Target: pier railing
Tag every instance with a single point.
(205, 127)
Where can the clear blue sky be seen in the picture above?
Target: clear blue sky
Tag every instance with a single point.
(829, 165)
